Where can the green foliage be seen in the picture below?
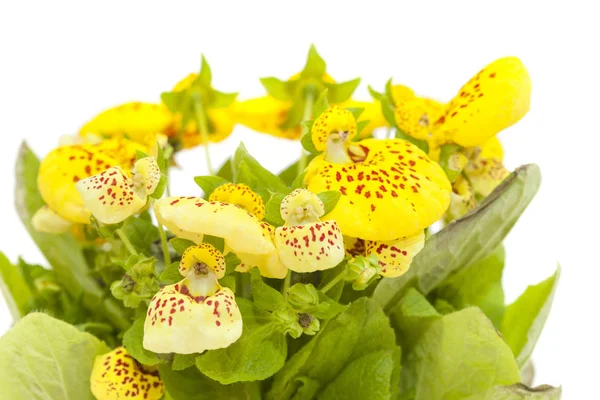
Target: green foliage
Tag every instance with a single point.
(63, 252)
(44, 358)
(480, 285)
(263, 178)
(132, 340)
(315, 65)
(330, 200)
(463, 348)
(180, 245)
(361, 330)
(139, 282)
(162, 162)
(183, 361)
(519, 392)
(322, 104)
(14, 289)
(141, 233)
(209, 183)
(340, 92)
(265, 297)
(467, 240)
(225, 171)
(305, 298)
(276, 88)
(272, 209)
(190, 384)
(525, 318)
(258, 354)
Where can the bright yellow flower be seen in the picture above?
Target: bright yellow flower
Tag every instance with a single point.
(266, 114)
(113, 195)
(305, 243)
(117, 375)
(241, 195)
(334, 124)
(484, 169)
(196, 314)
(250, 239)
(140, 122)
(390, 188)
(371, 112)
(63, 167)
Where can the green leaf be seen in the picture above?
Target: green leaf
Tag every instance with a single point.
(276, 88)
(14, 288)
(258, 354)
(321, 105)
(375, 94)
(180, 245)
(141, 233)
(140, 154)
(315, 65)
(190, 384)
(411, 317)
(389, 92)
(306, 139)
(467, 240)
(519, 392)
(183, 361)
(44, 358)
(225, 171)
(290, 174)
(264, 177)
(205, 75)
(460, 355)
(525, 318)
(478, 285)
(329, 199)
(340, 92)
(387, 108)
(299, 182)
(265, 297)
(221, 99)
(173, 100)
(272, 209)
(162, 162)
(63, 252)
(133, 339)
(295, 114)
(209, 183)
(368, 377)
(360, 330)
(360, 126)
(231, 262)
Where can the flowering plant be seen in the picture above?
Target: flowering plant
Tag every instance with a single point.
(368, 269)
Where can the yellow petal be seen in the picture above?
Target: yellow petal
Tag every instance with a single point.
(46, 220)
(111, 196)
(462, 199)
(492, 149)
(312, 247)
(401, 93)
(395, 256)
(241, 195)
(332, 124)
(416, 116)
(494, 99)
(269, 265)
(393, 190)
(485, 175)
(146, 173)
(203, 253)
(179, 322)
(61, 169)
(138, 121)
(117, 375)
(354, 246)
(267, 115)
(371, 112)
(299, 205)
(192, 217)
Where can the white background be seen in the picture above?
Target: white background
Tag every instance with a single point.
(62, 63)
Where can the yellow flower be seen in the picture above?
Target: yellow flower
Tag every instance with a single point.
(494, 99)
(335, 124)
(484, 170)
(305, 243)
(117, 375)
(250, 239)
(371, 112)
(63, 167)
(220, 120)
(196, 314)
(47, 221)
(266, 114)
(113, 196)
(390, 188)
(241, 195)
(140, 122)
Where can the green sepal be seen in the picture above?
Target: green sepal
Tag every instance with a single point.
(276, 88)
(171, 274)
(321, 104)
(208, 183)
(265, 297)
(330, 199)
(315, 65)
(273, 209)
(340, 92)
(180, 245)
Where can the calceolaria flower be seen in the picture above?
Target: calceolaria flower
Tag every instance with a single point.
(113, 195)
(305, 243)
(195, 314)
(290, 102)
(64, 167)
(244, 234)
(241, 195)
(137, 121)
(117, 375)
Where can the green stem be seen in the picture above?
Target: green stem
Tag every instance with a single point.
(165, 246)
(203, 128)
(308, 109)
(335, 280)
(286, 285)
(126, 242)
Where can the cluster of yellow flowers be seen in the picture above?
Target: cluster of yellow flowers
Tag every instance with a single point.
(391, 190)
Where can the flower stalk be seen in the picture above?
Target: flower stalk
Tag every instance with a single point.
(308, 108)
(203, 128)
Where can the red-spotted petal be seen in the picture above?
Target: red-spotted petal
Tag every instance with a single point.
(395, 256)
(203, 253)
